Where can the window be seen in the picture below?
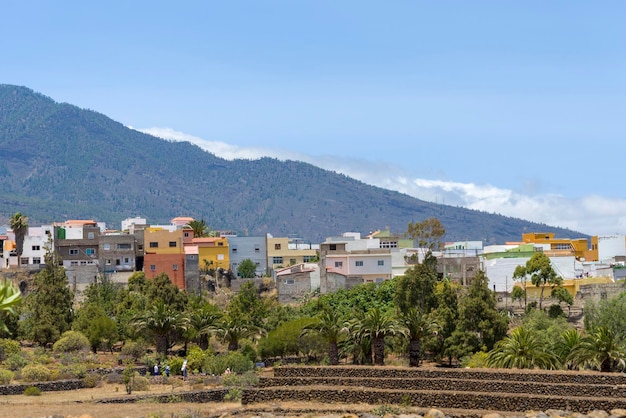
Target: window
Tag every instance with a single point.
(124, 246)
(90, 251)
(332, 247)
(140, 247)
(74, 263)
(220, 244)
(90, 235)
(234, 249)
(277, 260)
(118, 262)
(289, 281)
(174, 267)
(36, 248)
(83, 263)
(73, 251)
(126, 260)
(307, 258)
(36, 260)
(186, 234)
(338, 264)
(359, 263)
(257, 249)
(277, 246)
(152, 267)
(381, 262)
(106, 247)
(292, 261)
(172, 244)
(154, 244)
(24, 261)
(107, 261)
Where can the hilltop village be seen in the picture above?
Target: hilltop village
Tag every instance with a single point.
(197, 261)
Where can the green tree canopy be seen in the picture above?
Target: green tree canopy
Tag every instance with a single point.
(246, 269)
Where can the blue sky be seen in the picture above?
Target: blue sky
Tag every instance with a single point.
(515, 108)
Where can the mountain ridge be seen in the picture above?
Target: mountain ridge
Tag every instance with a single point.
(58, 162)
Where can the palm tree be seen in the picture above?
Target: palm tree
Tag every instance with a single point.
(232, 329)
(19, 225)
(378, 325)
(202, 324)
(522, 350)
(565, 345)
(599, 350)
(10, 297)
(200, 228)
(330, 325)
(161, 321)
(418, 326)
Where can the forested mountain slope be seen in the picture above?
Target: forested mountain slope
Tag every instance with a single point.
(58, 162)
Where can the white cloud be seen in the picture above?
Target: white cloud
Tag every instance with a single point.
(593, 215)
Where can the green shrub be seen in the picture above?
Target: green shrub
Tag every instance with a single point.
(236, 361)
(73, 371)
(195, 358)
(35, 373)
(16, 361)
(476, 360)
(175, 363)
(32, 391)
(6, 376)
(233, 394)
(8, 348)
(71, 341)
(140, 383)
(249, 378)
(134, 349)
(92, 380)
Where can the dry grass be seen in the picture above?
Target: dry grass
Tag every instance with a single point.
(81, 402)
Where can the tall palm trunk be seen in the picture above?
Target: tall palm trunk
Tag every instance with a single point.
(414, 352)
(333, 353)
(379, 351)
(161, 344)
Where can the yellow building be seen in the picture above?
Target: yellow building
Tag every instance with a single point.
(572, 285)
(578, 247)
(213, 252)
(284, 252)
(159, 240)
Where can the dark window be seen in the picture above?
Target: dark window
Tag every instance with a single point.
(154, 244)
(172, 244)
(277, 246)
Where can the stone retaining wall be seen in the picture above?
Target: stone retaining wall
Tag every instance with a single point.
(465, 385)
(53, 386)
(433, 399)
(201, 396)
(463, 389)
(545, 376)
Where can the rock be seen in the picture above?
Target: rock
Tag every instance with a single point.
(618, 412)
(596, 413)
(434, 413)
(493, 415)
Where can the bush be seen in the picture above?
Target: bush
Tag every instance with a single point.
(71, 341)
(35, 373)
(233, 394)
(195, 358)
(8, 348)
(236, 361)
(134, 349)
(175, 363)
(140, 383)
(16, 361)
(73, 371)
(32, 391)
(240, 380)
(477, 360)
(92, 380)
(6, 376)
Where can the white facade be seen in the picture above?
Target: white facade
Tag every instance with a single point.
(36, 241)
(500, 270)
(611, 246)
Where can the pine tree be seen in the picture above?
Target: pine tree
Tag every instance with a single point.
(49, 310)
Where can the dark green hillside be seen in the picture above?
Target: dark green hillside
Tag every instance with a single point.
(60, 162)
